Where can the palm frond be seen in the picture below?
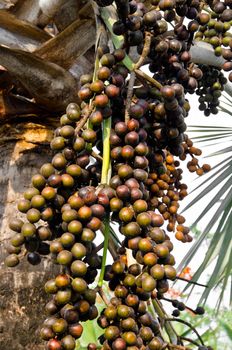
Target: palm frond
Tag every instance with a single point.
(219, 184)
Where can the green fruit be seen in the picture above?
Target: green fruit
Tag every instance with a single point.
(38, 201)
(110, 312)
(89, 135)
(157, 272)
(90, 296)
(68, 342)
(59, 162)
(111, 333)
(64, 257)
(161, 250)
(64, 120)
(67, 131)
(79, 144)
(140, 206)
(155, 344)
(170, 272)
(79, 285)
(67, 240)
(63, 297)
(157, 235)
(146, 334)
(17, 240)
(78, 251)
(125, 171)
(58, 143)
(116, 204)
(56, 247)
(69, 215)
(28, 230)
(46, 333)
(38, 181)
(33, 215)
(13, 250)
(143, 219)
(78, 268)
(148, 284)
(44, 233)
(12, 260)
(67, 180)
(62, 281)
(73, 112)
(47, 170)
(24, 205)
(16, 224)
(150, 259)
(130, 338)
(49, 193)
(88, 235)
(132, 229)
(51, 287)
(59, 326)
(128, 324)
(129, 280)
(118, 267)
(123, 311)
(74, 170)
(126, 214)
(145, 245)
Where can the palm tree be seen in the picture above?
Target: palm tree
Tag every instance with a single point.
(42, 66)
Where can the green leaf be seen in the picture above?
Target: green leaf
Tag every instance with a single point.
(91, 332)
(227, 328)
(209, 188)
(191, 253)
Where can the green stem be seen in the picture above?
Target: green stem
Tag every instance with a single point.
(105, 176)
(109, 17)
(167, 325)
(105, 249)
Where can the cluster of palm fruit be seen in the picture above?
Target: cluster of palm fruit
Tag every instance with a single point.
(144, 190)
(215, 30)
(62, 217)
(70, 201)
(170, 57)
(126, 321)
(209, 90)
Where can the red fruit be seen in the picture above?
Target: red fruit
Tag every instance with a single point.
(54, 344)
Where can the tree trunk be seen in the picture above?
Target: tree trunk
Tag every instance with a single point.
(22, 297)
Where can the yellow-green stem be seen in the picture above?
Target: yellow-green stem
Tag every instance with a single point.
(106, 233)
(167, 325)
(105, 176)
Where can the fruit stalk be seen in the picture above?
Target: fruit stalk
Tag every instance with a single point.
(168, 327)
